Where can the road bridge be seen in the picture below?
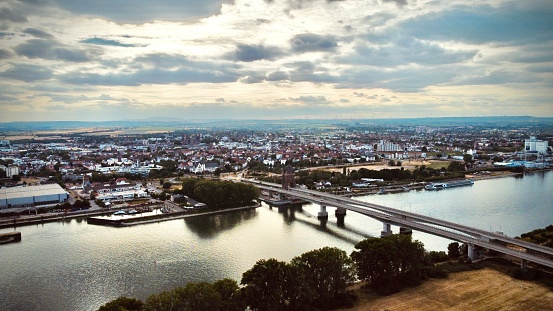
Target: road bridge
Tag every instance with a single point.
(527, 252)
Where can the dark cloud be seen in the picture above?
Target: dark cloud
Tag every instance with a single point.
(278, 76)
(4, 54)
(27, 73)
(100, 41)
(311, 100)
(141, 11)
(250, 53)
(12, 16)
(51, 49)
(398, 2)
(162, 60)
(401, 51)
(183, 75)
(309, 42)
(38, 33)
(477, 25)
(310, 72)
(253, 78)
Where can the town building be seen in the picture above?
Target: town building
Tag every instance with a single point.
(10, 170)
(534, 145)
(32, 196)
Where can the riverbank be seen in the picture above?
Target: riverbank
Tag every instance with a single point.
(484, 289)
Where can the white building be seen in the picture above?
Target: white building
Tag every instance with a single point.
(32, 196)
(535, 145)
(10, 170)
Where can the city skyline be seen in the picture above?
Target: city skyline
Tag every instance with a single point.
(216, 59)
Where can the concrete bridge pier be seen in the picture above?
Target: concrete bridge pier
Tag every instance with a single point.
(524, 265)
(340, 214)
(406, 231)
(323, 214)
(386, 230)
(471, 251)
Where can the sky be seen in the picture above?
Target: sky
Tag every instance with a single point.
(107, 60)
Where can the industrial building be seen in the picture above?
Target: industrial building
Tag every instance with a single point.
(534, 145)
(32, 196)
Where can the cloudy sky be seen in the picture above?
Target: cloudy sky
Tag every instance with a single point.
(274, 59)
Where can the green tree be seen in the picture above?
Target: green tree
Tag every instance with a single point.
(123, 304)
(272, 285)
(229, 291)
(198, 296)
(327, 272)
(389, 263)
(453, 250)
(166, 185)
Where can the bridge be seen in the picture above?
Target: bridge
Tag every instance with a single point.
(525, 251)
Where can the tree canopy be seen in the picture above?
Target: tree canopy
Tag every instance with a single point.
(389, 263)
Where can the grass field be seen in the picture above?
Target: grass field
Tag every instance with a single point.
(484, 289)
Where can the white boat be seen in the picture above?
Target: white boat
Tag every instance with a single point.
(449, 184)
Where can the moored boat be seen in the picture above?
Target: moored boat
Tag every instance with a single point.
(449, 184)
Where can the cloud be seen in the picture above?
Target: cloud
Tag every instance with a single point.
(278, 76)
(4, 54)
(250, 53)
(305, 71)
(38, 33)
(142, 11)
(311, 100)
(512, 22)
(309, 42)
(405, 50)
(27, 73)
(398, 2)
(100, 41)
(52, 50)
(182, 75)
(12, 16)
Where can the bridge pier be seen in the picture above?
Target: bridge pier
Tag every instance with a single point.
(406, 231)
(524, 265)
(340, 214)
(471, 251)
(323, 214)
(386, 230)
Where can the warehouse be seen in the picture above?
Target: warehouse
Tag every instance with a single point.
(32, 196)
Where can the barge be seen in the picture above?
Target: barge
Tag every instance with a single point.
(10, 237)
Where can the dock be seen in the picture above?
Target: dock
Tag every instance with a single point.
(10, 237)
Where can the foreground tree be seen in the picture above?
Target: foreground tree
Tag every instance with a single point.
(390, 263)
(123, 304)
(327, 272)
(272, 285)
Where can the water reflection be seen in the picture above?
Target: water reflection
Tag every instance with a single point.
(208, 227)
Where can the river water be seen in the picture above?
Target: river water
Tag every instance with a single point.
(73, 266)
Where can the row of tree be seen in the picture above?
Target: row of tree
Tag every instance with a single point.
(219, 194)
(316, 280)
(345, 179)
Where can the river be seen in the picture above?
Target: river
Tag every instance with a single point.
(73, 266)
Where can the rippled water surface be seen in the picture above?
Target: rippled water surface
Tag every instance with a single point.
(71, 265)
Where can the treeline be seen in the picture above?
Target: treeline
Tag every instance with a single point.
(219, 194)
(316, 280)
(344, 179)
(540, 236)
